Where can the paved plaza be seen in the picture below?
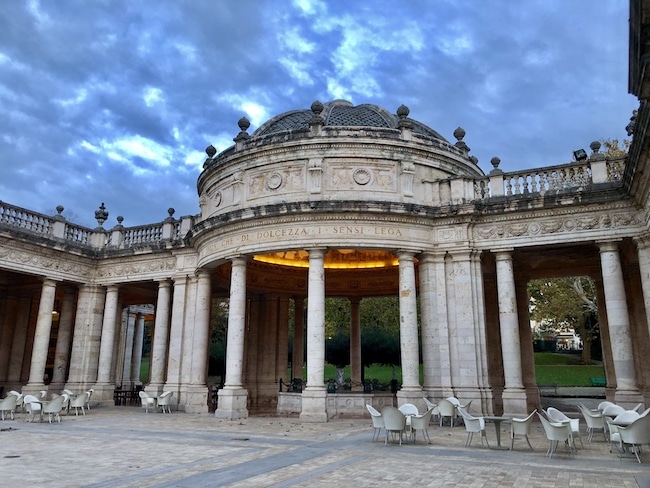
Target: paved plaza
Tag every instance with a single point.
(125, 447)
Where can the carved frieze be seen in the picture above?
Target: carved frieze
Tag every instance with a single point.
(52, 266)
(128, 270)
(557, 226)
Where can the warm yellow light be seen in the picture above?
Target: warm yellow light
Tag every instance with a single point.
(334, 259)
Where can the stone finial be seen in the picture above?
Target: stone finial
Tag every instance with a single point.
(101, 215)
(403, 112)
(119, 225)
(495, 166)
(595, 151)
(317, 107)
(316, 122)
(59, 212)
(170, 217)
(243, 124)
(210, 151)
(474, 160)
(459, 133)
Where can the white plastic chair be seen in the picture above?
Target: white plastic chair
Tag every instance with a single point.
(556, 433)
(635, 435)
(165, 401)
(595, 421)
(377, 421)
(446, 409)
(421, 423)
(89, 394)
(603, 405)
(8, 406)
(394, 423)
(473, 425)
(146, 401)
(19, 400)
(53, 408)
(408, 409)
(554, 415)
(79, 402)
(33, 406)
(521, 427)
(432, 405)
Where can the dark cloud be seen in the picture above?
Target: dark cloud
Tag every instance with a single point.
(90, 90)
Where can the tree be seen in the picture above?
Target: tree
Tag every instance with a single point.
(562, 304)
(615, 149)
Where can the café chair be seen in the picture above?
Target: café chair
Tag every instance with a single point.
(635, 435)
(446, 409)
(555, 415)
(556, 433)
(595, 421)
(421, 423)
(79, 402)
(8, 406)
(521, 427)
(146, 401)
(472, 426)
(53, 408)
(165, 401)
(432, 405)
(394, 423)
(377, 421)
(33, 406)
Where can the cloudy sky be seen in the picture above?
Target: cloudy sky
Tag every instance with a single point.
(115, 101)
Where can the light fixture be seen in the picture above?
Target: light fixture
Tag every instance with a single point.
(580, 154)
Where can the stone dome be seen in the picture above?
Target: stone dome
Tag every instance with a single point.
(341, 113)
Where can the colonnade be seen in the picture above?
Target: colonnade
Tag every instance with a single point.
(453, 328)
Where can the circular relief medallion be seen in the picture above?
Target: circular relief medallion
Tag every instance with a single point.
(361, 176)
(217, 199)
(274, 181)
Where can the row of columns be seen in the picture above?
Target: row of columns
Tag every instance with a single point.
(181, 332)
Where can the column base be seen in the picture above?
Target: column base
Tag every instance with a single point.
(34, 388)
(628, 398)
(314, 405)
(231, 404)
(514, 401)
(414, 396)
(103, 394)
(194, 398)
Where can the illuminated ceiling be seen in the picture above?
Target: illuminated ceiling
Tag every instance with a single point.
(334, 259)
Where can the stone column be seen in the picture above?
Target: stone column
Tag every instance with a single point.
(197, 390)
(158, 357)
(411, 391)
(138, 342)
(19, 342)
(104, 388)
(8, 311)
(233, 397)
(188, 335)
(41, 337)
(63, 340)
(298, 356)
(175, 350)
(627, 391)
(314, 396)
(430, 336)
(514, 395)
(356, 365)
(282, 356)
(128, 326)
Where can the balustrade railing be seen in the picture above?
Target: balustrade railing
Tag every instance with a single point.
(145, 234)
(25, 219)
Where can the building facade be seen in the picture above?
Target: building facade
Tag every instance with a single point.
(336, 201)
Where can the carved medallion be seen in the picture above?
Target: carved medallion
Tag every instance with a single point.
(361, 176)
(274, 181)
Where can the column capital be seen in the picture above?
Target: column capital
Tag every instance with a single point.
(405, 254)
(503, 254)
(608, 245)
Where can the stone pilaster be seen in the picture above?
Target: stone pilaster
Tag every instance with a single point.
(355, 344)
(197, 392)
(175, 351)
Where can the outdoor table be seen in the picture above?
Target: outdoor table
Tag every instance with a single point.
(497, 420)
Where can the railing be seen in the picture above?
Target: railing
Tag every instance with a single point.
(76, 233)
(25, 219)
(145, 234)
(542, 180)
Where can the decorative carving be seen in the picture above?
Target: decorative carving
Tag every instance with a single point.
(361, 176)
(274, 181)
